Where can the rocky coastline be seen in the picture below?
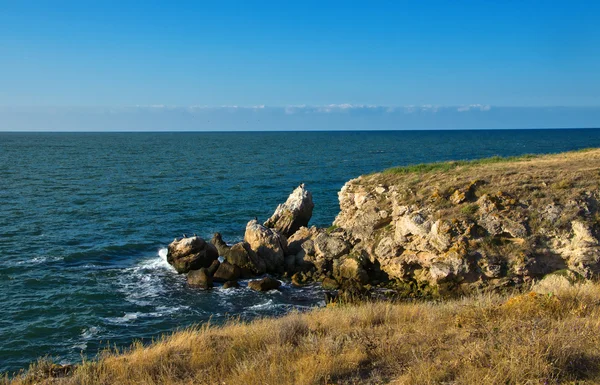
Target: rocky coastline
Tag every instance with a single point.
(440, 230)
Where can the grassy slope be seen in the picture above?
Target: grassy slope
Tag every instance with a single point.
(490, 338)
(537, 180)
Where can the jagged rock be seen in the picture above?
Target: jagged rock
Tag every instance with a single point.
(465, 194)
(330, 246)
(242, 255)
(294, 213)
(227, 272)
(268, 244)
(264, 284)
(231, 285)
(330, 284)
(351, 269)
(303, 234)
(214, 266)
(298, 279)
(529, 219)
(219, 243)
(191, 253)
(200, 278)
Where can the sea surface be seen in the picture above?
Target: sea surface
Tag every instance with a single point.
(85, 219)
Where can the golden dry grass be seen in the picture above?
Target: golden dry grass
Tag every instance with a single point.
(543, 337)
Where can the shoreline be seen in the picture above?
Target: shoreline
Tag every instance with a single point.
(578, 229)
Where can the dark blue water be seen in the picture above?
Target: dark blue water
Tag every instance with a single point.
(85, 218)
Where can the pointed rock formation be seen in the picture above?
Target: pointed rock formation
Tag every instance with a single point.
(268, 244)
(294, 213)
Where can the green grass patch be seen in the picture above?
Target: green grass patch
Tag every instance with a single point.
(451, 165)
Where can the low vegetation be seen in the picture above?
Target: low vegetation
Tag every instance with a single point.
(549, 335)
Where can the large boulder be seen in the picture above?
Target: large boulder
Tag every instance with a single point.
(268, 244)
(227, 272)
(200, 278)
(294, 213)
(191, 253)
(264, 284)
(242, 255)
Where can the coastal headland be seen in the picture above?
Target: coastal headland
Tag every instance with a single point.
(456, 272)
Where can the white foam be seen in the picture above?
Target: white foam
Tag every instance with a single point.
(143, 282)
(90, 332)
(126, 318)
(38, 260)
(265, 305)
(156, 263)
(81, 346)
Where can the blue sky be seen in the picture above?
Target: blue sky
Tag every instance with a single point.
(310, 53)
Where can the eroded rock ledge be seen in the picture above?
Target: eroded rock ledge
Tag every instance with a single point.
(433, 230)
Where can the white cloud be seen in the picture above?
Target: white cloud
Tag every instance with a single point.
(470, 107)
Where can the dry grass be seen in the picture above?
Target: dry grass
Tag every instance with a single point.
(548, 336)
(534, 181)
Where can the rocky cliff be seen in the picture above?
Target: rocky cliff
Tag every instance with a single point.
(462, 225)
(438, 228)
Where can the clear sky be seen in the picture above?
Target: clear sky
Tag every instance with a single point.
(278, 53)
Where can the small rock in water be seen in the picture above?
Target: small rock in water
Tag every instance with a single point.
(227, 272)
(264, 284)
(231, 285)
(191, 254)
(298, 279)
(200, 278)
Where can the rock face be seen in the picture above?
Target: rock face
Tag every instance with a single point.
(200, 278)
(486, 225)
(227, 272)
(191, 253)
(240, 255)
(294, 213)
(264, 284)
(268, 244)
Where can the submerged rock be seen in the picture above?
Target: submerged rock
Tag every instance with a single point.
(231, 285)
(191, 253)
(264, 284)
(294, 213)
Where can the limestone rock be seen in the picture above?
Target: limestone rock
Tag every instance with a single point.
(298, 279)
(219, 243)
(242, 255)
(303, 234)
(231, 285)
(264, 284)
(330, 246)
(191, 253)
(214, 266)
(294, 213)
(351, 269)
(227, 272)
(268, 244)
(330, 284)
(200, 278)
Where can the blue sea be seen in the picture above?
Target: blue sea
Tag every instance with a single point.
(85, 219)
